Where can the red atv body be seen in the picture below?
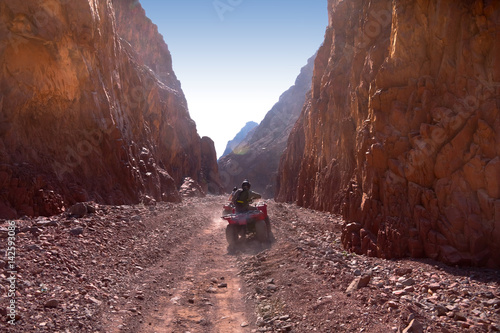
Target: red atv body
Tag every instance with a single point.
(241, 224)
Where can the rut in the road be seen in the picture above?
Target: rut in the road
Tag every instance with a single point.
(208, 297)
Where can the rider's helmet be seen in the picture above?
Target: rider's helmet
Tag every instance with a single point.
(246, 183)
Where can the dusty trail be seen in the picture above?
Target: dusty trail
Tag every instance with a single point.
(208, 299)
(195, 287)
(165, 268)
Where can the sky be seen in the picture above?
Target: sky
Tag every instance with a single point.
(234, 58)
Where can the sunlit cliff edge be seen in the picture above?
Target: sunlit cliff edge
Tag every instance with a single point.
(401, 134)
(91, 109)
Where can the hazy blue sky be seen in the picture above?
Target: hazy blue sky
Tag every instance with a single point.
(234, 58)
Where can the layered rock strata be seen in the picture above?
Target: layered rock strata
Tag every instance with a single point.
(257, 156)
(401, 133)
(90, 108)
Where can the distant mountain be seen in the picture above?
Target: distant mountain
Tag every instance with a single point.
(239, 137)
(257, 156)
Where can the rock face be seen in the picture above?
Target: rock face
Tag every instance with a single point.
(401, 133)
(257, 156)
(239, 137)
(90, 108)
(209, 177)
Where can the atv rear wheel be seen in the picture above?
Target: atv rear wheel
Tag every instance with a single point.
(261, 231)
(232, 234)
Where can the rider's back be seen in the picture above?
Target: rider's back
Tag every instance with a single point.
(241, 200)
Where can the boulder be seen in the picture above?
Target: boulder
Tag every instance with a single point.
(78, 210)
(190, 188)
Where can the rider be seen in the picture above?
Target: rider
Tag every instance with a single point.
(231, 196)
(243, 197)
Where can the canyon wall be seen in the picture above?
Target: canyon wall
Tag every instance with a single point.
(257, 157)
(90, 109)
(401, 133)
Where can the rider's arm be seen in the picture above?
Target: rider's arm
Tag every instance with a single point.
(255, 195)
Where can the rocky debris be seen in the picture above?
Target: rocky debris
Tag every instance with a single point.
(103, 279)
(396, 139)
(4, 232)
(80, 125)
(358, 283)
(414, 327)
(76, 231)
(190, 188)
(78, 210)
(73, 270)
(316, 285)
(257, 157)
(51, 303)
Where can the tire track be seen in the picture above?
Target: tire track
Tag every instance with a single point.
(208, 296)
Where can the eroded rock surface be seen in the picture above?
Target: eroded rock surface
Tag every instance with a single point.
(90, 108)
(402, 130)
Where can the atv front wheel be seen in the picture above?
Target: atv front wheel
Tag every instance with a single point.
(232, 234)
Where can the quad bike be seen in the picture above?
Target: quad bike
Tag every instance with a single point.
(242, 224)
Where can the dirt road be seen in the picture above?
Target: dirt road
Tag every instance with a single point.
(208, 297)
(195, 287)
(166, 268)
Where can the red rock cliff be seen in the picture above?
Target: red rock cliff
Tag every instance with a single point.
(90, 108)
(402, 131)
